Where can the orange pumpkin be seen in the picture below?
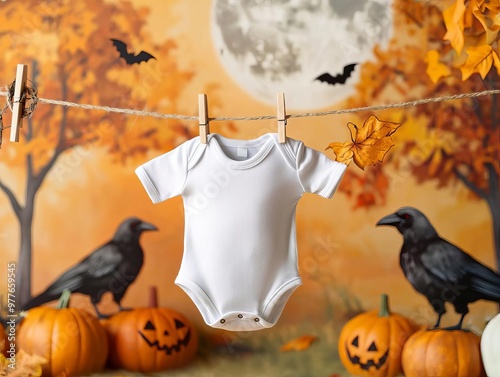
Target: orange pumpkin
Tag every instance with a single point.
(71, 340)
(444, 353)
(150, 339)
(370, 344)
(3, 340)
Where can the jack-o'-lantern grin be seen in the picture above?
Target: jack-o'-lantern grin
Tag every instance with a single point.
(182, 341)
(355, 359)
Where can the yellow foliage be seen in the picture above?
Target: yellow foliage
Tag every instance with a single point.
(480, 59)
(436, 69)
(75, 60)
(454, 21)
(369, 144)
(473, 27)
(489, 17)
(442, 138)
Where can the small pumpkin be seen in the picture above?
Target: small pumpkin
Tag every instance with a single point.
(4, 344)
(444, 353)
(370, 344)
(71, 340)
(490, 351)
(150, 339)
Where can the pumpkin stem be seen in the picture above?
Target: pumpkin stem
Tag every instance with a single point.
(384, 306)
(153, 297)
(63, 302)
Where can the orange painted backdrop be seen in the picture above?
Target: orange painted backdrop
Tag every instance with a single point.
(345, 261)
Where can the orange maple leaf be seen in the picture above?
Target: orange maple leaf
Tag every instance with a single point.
(480, 59)
(299, 344)
(369, 144)
(436, 69)
(454, 21)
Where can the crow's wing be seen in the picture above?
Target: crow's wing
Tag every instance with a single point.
(450, 264)
(445, 261)
(484, 280)
(99, 264)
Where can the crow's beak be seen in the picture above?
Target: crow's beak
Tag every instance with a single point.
(147, 226)
(391, 219)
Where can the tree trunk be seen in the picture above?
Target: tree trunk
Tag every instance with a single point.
(493, 201)
(25, 218)
(495, 211)
(23, 275)
(493, 197)
(25, 215)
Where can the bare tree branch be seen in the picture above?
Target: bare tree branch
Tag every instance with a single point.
(13, 201)
(481, 193)
(493, 183)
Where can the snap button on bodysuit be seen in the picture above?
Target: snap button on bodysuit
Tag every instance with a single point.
(256, 320)
(240, 315)
(222, 321)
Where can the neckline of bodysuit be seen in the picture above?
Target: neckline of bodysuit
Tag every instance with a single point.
(265, 142)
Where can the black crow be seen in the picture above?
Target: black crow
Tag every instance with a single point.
(439, 270)
(110, 268)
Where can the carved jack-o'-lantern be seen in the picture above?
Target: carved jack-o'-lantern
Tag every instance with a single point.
(154, 337)
(150, 339)
(370, 344)
(373, 356)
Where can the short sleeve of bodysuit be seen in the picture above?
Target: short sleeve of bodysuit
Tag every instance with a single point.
(317, 173)
(164, 176)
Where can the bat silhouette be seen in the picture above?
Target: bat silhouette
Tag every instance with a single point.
(130, 57)
(341, 78)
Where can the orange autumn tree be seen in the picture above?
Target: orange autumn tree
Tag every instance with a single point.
(439, 50)
(67, 48)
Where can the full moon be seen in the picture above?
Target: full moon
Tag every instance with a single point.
(271, 46)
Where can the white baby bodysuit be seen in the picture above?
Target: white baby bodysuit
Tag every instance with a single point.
(240, 254)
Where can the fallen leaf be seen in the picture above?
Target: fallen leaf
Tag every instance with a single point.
(299, 344)
(369, 144)
(26, 365)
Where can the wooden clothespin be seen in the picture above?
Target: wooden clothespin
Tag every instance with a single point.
(18, 102)
(203, 118)
(281, 117)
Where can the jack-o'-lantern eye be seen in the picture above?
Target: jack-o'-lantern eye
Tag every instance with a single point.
(372, 347)
(355, 342)
(179, 324)
(149, 326)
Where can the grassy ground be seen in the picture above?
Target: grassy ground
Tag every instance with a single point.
(255, 354)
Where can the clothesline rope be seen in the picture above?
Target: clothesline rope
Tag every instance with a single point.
(155, 114)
